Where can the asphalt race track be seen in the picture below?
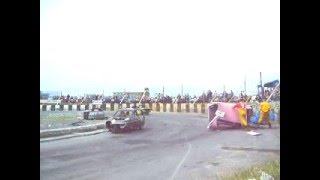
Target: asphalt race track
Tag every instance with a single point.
(171, 146)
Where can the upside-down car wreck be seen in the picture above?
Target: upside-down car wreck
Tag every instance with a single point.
(223, 115)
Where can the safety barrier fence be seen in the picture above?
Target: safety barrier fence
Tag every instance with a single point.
(156, 107)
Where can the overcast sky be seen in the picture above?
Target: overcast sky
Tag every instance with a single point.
(115, 45)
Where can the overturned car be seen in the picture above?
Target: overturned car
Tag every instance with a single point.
(126, 119)
(223, 115)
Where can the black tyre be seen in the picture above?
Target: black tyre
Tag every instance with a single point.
(108, 126)
(116, 129)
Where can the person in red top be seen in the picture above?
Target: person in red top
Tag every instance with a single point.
(241, 107)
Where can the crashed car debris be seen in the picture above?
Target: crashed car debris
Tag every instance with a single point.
(126, 119)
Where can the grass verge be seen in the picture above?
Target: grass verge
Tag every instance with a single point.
(272, 168)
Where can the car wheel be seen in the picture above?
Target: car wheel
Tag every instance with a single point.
(108, 126)
(116, 129)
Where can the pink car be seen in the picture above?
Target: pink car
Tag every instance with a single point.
(223, 115)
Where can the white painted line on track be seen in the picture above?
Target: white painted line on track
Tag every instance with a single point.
(183, 159)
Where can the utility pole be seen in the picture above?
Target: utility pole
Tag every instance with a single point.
(182, 90)
(163, 90)
(262, 90)
(245, 86)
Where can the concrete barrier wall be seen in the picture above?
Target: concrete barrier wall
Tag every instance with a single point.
(183, 107)
(48, 107)
(161, 107)
(116, 107)
(206, 108)
(199, 108)
(153, 106)
(108, 107)
(156, 107)
(166, 108)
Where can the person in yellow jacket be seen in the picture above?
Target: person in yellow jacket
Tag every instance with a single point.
(264, 109)
(241, 107)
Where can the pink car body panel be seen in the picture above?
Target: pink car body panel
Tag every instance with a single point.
(231, 114)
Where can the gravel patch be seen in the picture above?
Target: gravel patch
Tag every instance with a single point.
(64, 119)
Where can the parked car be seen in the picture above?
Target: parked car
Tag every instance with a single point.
(126, 119)
(94, 114)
